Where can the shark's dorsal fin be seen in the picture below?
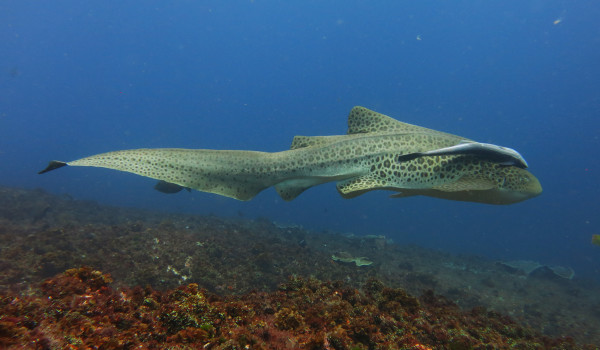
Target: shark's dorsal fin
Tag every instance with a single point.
(363, 120)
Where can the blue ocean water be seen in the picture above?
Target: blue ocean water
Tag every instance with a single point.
(79, 78)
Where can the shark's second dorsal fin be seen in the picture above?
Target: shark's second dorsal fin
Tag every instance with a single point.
(311, 141)
(364, 120)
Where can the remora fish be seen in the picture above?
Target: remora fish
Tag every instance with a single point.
(494, 153)
(368, 158)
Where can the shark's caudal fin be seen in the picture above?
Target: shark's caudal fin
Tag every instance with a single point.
(235, 174)
(54, 164)
(219, 172)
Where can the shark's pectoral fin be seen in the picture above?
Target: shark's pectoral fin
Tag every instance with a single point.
(358, 185)
(361, 184)
(467, 183)
(465, 188)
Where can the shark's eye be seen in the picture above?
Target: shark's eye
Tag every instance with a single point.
(524, 179)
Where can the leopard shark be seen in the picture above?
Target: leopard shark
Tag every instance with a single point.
(377, 153)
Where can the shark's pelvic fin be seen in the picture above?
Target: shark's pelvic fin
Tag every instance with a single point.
(290, 189)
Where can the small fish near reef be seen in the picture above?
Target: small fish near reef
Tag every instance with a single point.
(377, 153)
(596, 240)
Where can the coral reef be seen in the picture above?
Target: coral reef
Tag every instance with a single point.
(226, 282)
(79, 309)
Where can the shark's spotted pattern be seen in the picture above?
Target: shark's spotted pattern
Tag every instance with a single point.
(365, 159)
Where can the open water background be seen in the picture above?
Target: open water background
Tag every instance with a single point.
(81, 77)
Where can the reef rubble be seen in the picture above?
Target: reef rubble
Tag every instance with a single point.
(76, 274)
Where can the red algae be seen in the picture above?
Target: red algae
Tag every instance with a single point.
(78, 309)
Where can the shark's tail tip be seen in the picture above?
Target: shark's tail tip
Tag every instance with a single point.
(54, 164)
